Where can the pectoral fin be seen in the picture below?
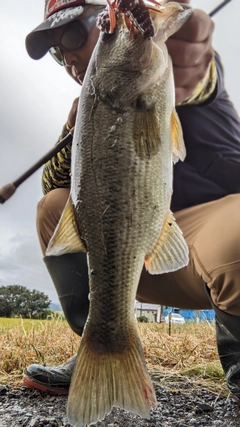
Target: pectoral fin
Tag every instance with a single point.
(66, 236)
(146, 133)
(170, 252)
(178, 146)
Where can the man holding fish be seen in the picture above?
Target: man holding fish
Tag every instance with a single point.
(205, 197)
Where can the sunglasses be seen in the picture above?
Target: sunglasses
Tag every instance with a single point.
(73, 37)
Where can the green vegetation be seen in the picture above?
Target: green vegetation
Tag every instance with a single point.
(18, 301)
(142, 319)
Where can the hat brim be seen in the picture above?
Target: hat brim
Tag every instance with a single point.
(39, 41)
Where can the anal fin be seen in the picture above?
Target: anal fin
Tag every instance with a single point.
(170, 252)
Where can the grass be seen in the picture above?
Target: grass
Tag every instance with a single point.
(24, 341)
(190, 350)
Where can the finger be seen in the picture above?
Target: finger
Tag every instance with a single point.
(182, 93)
(191, 76)
(185, 54)
(73, 113)
(197, 29)
(75, 104)
(187, 80)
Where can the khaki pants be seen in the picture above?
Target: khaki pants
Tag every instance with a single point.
(212, 231)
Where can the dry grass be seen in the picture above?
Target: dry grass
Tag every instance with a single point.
(190, 350)
(188, 345)
(23, 342)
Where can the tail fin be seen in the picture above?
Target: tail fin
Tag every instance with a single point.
(101, 381)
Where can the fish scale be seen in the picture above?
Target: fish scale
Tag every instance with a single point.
(126, 138)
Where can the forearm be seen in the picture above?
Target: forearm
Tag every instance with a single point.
(56, 172)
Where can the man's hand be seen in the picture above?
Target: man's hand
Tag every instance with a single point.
(73, 113)
(191, 52)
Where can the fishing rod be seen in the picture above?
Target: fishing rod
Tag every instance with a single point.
(8, 190)
(219, 7)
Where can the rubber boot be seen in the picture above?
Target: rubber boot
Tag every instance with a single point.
(69, 274)
(228, 343)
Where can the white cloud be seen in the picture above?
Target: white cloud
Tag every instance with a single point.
(36, 97)
(22, 264)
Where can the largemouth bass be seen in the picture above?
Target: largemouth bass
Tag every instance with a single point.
(126, 138)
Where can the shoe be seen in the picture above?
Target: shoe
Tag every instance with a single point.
(50, 379)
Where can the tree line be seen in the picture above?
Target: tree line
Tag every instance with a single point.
(18, 301)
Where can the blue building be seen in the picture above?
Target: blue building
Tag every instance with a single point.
(156, 313)
(192, 315)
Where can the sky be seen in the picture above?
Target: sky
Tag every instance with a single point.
(35, 99)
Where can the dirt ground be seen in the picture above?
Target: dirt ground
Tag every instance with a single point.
(182, 402)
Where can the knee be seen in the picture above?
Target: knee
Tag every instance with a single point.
(52, 204)
(225, 290)
(49, 211)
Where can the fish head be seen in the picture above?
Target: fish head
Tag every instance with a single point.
(122, 49)
(125, 64)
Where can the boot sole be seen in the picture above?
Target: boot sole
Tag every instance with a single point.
(34, 385)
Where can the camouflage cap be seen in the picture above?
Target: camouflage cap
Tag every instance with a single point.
(56, 14)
